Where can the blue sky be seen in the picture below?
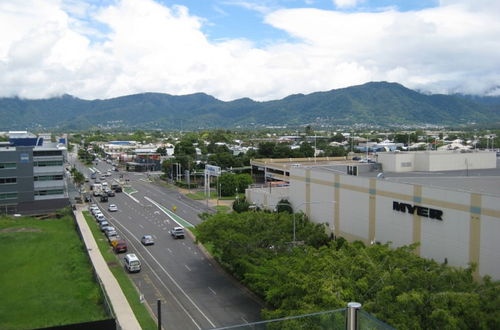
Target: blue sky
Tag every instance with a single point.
(262, 49)
(236, 19)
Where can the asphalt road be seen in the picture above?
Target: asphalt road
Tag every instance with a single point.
(194, 292)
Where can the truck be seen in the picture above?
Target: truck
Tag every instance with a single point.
(97, 189)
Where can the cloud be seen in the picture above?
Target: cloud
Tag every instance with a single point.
(346, 3)
(53, 47)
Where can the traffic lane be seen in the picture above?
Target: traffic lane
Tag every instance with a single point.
(153, 284)
(197, 276)
(159, 267)
(169, 199)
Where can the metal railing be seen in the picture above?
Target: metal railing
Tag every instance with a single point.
(350, 318)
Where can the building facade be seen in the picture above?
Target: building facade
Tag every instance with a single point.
(32, 177)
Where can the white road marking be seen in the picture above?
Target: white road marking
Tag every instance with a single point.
(244, 320)
(187, 267)
(141, 226)
(169, 250)
(174, 282)
(209, 288)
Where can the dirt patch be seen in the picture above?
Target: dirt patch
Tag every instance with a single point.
(112, 264)
(19, 230)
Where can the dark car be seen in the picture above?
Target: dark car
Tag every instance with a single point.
(120, 246)
(87, 198)
(104, 198)
(111, 193)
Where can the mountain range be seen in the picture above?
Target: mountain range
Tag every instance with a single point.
(374, 103)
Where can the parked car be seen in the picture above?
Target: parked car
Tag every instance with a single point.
(132, 263)
(103, 225)
(100, 218)
(120, 246)
(110, 233)
(147, 240)
(177, 232)
(108, 229)
(113, 239)
(112, 208)
(87, 198)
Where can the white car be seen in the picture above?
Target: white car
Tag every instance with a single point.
(112, 208)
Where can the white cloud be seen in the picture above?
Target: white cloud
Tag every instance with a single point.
(346, 3)
(53, 47)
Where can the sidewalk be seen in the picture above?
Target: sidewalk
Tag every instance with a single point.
(123, 312)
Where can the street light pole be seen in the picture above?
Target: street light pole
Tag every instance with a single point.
(293, 214)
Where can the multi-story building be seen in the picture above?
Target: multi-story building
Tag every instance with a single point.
(31, 175)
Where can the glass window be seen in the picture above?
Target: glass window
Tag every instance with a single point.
(8, 196)
(48, 178)
(47, 153)
(48, 163)
(7, 165)
(8, 180)
(49, 192)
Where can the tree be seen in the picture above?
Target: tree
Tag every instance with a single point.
(228, 184)
(241, 205)
(243, 181)
(162, 151)
(284, 206)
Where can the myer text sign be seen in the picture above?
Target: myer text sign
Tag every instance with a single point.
(419, 210)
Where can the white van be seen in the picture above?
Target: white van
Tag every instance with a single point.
(132, 263)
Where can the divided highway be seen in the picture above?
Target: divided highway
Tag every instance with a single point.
(195, 293)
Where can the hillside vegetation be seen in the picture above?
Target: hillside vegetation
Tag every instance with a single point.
(379, 103)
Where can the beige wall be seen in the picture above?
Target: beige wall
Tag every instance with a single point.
(436, 161)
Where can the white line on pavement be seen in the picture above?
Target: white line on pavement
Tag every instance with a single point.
(175, 283)
(187, 267)
(209, 288)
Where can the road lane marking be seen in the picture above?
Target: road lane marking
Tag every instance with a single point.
(177, 219)
(187, 267)
(133, 198)
(173, 281)
(142, 227)
(169, 250)
(209, 288)
(244, 320)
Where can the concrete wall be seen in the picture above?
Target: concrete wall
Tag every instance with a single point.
(436, 161)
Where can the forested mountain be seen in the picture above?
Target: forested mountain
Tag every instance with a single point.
(379, 103)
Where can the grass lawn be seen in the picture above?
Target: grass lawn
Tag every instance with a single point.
(200, 195)
(47, 278)
(121, 276)
(222, 208)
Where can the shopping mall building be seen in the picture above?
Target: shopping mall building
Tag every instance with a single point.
(448, 202)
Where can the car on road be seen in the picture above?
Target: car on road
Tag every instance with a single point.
(132, 263)
(112, 208)
(108, 173)
(111, 193)
(177, 232)
(120, 246)
(147, 240)
(87, 198)
(104, 198)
